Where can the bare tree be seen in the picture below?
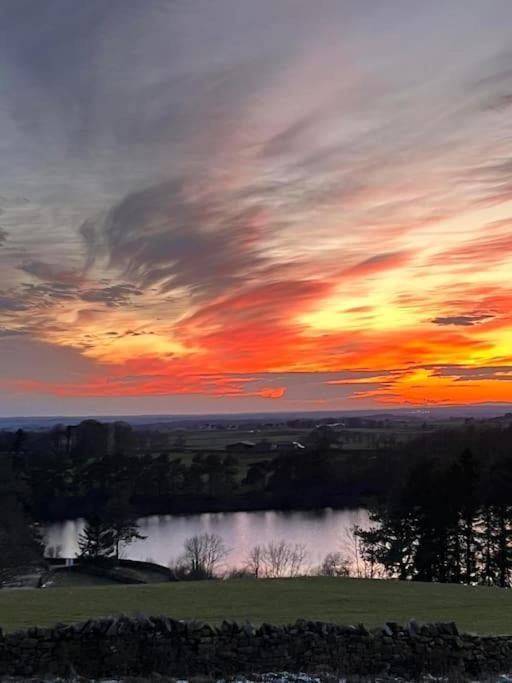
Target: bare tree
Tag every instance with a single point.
(334, 564)
(350, 545)
(254, 564)
(361, 563)
(297, 558)
(277, 559)
(203, 554)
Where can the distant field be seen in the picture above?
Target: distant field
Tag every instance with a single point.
(351, 438)
(204, 439)
(349, 601)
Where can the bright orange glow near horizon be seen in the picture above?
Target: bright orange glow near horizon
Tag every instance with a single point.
(213, 224)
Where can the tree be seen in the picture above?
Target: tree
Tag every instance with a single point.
(321, 438)
(213, 469)
(122, 522)
(20, 539)
(203, 554)
(230, 472)
(256, 476)
(391, 542)
(334, 564)
(193, 476)
(91, 440)
(18, 441)
(497, 524)
(254, 564)
(276, 559)
(360, 552)
(462, 487)
(97, 541)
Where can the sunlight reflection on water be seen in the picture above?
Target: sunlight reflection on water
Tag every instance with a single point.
(322, 531)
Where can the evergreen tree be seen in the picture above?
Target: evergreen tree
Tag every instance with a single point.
(497, 534)
(465, 491)
(20, 539)
(391, 542)
(97, 541)
(430, 528)
(122, 522)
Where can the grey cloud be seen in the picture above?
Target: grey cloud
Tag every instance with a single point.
(462, 373)
(126, 76)
(9, 303)
(286, 140)
(49, 272)
(160, 237)
(494, 87)
(53, 45)
(89, 236)
(462, 320)
(3, 236)
(6, 332)
(115, 295)
(496, 181)
(46, 294)
(10, 202)
(18, 301)
(132, 91)
(138, 333)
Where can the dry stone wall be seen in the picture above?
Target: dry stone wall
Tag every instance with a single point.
(144, 645)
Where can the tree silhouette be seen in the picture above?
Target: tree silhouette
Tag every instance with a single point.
(97, 540)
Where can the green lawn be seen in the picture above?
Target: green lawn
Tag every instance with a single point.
(346, 601)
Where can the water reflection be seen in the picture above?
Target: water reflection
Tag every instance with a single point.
(322, 531)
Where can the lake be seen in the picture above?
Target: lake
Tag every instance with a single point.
(321, 531)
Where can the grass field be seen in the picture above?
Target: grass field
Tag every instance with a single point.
(206, 439)
(345, 601)
(203, 440)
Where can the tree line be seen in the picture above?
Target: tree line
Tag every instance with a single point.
(71, 475)
(448, 515)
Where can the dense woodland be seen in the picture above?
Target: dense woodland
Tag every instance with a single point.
(448, 516)
(73, 475)
(442, 503)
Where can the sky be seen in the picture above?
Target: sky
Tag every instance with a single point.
(241, 205)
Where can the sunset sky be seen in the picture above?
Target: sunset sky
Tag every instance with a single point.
(254, 205)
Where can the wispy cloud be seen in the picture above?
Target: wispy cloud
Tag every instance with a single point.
(255, 203)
